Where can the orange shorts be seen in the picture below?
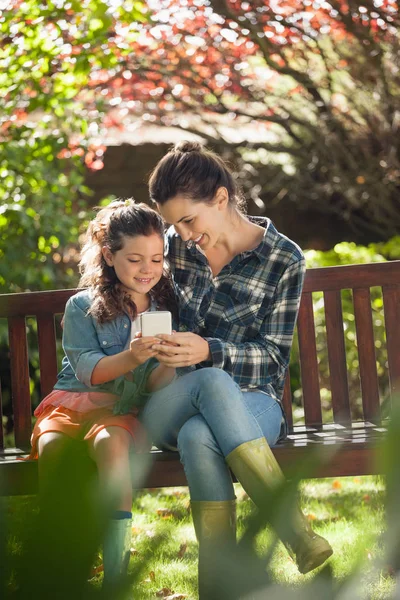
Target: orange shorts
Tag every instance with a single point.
(84, 426)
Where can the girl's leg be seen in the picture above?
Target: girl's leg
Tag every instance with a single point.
(110, 449)
(51, 446)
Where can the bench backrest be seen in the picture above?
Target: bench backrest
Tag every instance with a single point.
(329, 280)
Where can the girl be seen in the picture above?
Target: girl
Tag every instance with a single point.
(239, 283)
(107, 364)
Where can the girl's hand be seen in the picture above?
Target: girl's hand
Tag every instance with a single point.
(141, 348)
(181, 349)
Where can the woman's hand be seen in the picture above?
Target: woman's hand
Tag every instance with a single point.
(182, 349)
(141, 348)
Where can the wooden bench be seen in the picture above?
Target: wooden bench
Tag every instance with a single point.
(353, 442)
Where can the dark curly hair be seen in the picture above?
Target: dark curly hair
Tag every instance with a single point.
(111, 225)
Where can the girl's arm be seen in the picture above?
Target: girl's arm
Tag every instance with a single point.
(160, 377)
(82, 347)
(111, 367)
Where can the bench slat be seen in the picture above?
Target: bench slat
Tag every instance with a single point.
(1, 420)
(47, 353)
(287, 401)
(366, 354)
(308, 362)
(351, 276)
(19, 366)
(337, 358)
(391, 304)
(34, 303)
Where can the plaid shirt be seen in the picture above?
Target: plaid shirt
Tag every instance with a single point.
(247, 313)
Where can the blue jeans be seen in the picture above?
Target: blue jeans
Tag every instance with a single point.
(205, 415)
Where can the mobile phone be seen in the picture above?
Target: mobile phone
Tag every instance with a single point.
(155, 322)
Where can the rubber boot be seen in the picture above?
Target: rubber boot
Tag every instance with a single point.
(116, 551)
(255, 467)
(215, 525)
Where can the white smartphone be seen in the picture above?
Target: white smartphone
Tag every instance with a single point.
(155, 322)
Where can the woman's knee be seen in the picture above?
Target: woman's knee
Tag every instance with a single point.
(217, 383)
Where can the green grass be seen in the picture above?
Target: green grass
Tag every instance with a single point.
(348, 511)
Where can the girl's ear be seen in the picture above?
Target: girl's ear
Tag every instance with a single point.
(107, 255)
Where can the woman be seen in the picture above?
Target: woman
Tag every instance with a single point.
(238, 283)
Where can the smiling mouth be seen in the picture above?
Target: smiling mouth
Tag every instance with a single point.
(147, 280)
(198, 239)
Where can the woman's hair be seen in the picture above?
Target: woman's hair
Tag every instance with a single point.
(194, 172)
(110, 227)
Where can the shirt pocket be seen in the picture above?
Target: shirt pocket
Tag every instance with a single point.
(242, 305)
(110, 343)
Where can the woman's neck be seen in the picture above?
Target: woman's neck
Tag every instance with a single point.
(240, 235)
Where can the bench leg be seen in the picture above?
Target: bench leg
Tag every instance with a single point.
(215, 526)
(256, 468)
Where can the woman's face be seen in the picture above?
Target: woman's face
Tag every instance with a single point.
(197, 221)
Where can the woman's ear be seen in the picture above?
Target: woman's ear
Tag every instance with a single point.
(222, 198)
(107, 255)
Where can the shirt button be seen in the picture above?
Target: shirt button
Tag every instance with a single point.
(104, 343)
(125, 326)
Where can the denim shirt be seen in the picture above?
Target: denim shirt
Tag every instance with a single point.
(86, 342)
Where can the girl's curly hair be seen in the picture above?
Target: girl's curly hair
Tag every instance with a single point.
(111, 225)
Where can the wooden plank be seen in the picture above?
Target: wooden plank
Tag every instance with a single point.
(287, 402)
(320, 279)
(21, 398)
(34, 303)
(337, 357)
(366, 354)
(1, 420)
(309, 362)
(20, 477)
(350, 276)
(391, 305)
(47, 353)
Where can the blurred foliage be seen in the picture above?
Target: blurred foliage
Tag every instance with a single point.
(52, 552)
(49, 53)
(302, 95)
(346, 253)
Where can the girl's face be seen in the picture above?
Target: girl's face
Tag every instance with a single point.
(197, 221)
(139, 263)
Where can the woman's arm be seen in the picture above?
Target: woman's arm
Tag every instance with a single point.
(254, 362)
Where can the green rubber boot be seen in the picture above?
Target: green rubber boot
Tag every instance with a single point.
(255, 466)
(215, 525)
(116, 551)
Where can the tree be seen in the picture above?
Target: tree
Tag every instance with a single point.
(51, 53)
(316, 82)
